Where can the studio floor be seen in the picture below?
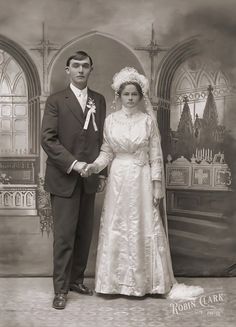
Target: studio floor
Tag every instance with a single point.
(26, 302)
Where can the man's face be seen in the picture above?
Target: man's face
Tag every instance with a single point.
(79, 71)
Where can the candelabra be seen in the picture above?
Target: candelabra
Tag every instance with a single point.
(203, 155)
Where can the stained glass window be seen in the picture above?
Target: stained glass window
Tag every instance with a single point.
(13, 107)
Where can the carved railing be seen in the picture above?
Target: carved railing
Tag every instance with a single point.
(18, 185)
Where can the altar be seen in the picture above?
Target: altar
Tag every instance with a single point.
(199, 195)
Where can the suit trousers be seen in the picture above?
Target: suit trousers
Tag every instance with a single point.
(73, 227)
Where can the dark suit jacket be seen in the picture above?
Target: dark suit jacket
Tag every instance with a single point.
(64, 140)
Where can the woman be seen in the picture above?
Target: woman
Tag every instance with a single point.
(133, 253)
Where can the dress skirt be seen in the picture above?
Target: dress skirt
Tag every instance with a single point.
(133, 255)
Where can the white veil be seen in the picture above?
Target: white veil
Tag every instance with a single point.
(129, 74)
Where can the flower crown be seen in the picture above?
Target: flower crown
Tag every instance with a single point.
(130, 74)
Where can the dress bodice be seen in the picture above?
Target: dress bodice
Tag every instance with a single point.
(132, 135)
(128, 133)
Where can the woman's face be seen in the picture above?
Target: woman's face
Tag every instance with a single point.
(130, 96)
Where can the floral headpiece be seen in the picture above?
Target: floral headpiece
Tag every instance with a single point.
(130, 74)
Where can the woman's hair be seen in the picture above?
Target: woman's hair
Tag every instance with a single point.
(138, 87)
(79, 55)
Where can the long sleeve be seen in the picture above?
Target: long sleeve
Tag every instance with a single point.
(155, 154)
(57, 153)
(106, 153)
(103, 173)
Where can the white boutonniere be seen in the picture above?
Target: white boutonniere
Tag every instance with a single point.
(91, 104)
(91, 113)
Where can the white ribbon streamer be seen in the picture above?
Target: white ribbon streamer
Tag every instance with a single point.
(90, 113)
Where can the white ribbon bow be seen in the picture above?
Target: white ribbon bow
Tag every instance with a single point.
(90, 113)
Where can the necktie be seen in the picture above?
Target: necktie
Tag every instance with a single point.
(81, 99)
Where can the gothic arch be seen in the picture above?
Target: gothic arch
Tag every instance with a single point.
(109, 55)
(170, 63)
(33, 86)
(88, 35)
(168, 66)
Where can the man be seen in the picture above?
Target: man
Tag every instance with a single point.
(72, 133)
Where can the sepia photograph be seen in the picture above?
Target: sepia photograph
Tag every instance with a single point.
(117, 163)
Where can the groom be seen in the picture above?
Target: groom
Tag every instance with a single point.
(72, 133)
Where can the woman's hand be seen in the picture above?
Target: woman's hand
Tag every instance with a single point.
(156, 201)
(157, 193)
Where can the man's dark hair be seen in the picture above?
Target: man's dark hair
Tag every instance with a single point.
(79, 55)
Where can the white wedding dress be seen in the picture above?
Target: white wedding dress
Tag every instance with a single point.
(133, 255)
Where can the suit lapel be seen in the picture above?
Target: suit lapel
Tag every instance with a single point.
(74, 105)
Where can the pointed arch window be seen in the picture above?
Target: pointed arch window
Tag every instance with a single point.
(192, 79)
(14, 116)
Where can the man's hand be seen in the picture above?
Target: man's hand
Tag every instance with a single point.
(79, 166)
(101, 184)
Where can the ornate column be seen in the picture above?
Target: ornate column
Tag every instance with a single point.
(161, 106)
(153, 49)
(45, 48)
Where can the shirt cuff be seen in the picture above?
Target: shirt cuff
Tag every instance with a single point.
(71, 167)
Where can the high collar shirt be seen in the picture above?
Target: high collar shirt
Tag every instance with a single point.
(81, 95)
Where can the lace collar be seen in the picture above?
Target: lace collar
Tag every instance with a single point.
(129, 113)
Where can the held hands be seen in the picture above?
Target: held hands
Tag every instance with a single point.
(84, 169)
(88, 170)
(79, 166)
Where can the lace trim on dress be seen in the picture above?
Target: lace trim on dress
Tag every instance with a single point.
(121, 118)
(156, 160)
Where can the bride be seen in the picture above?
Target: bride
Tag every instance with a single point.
(133, 252)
